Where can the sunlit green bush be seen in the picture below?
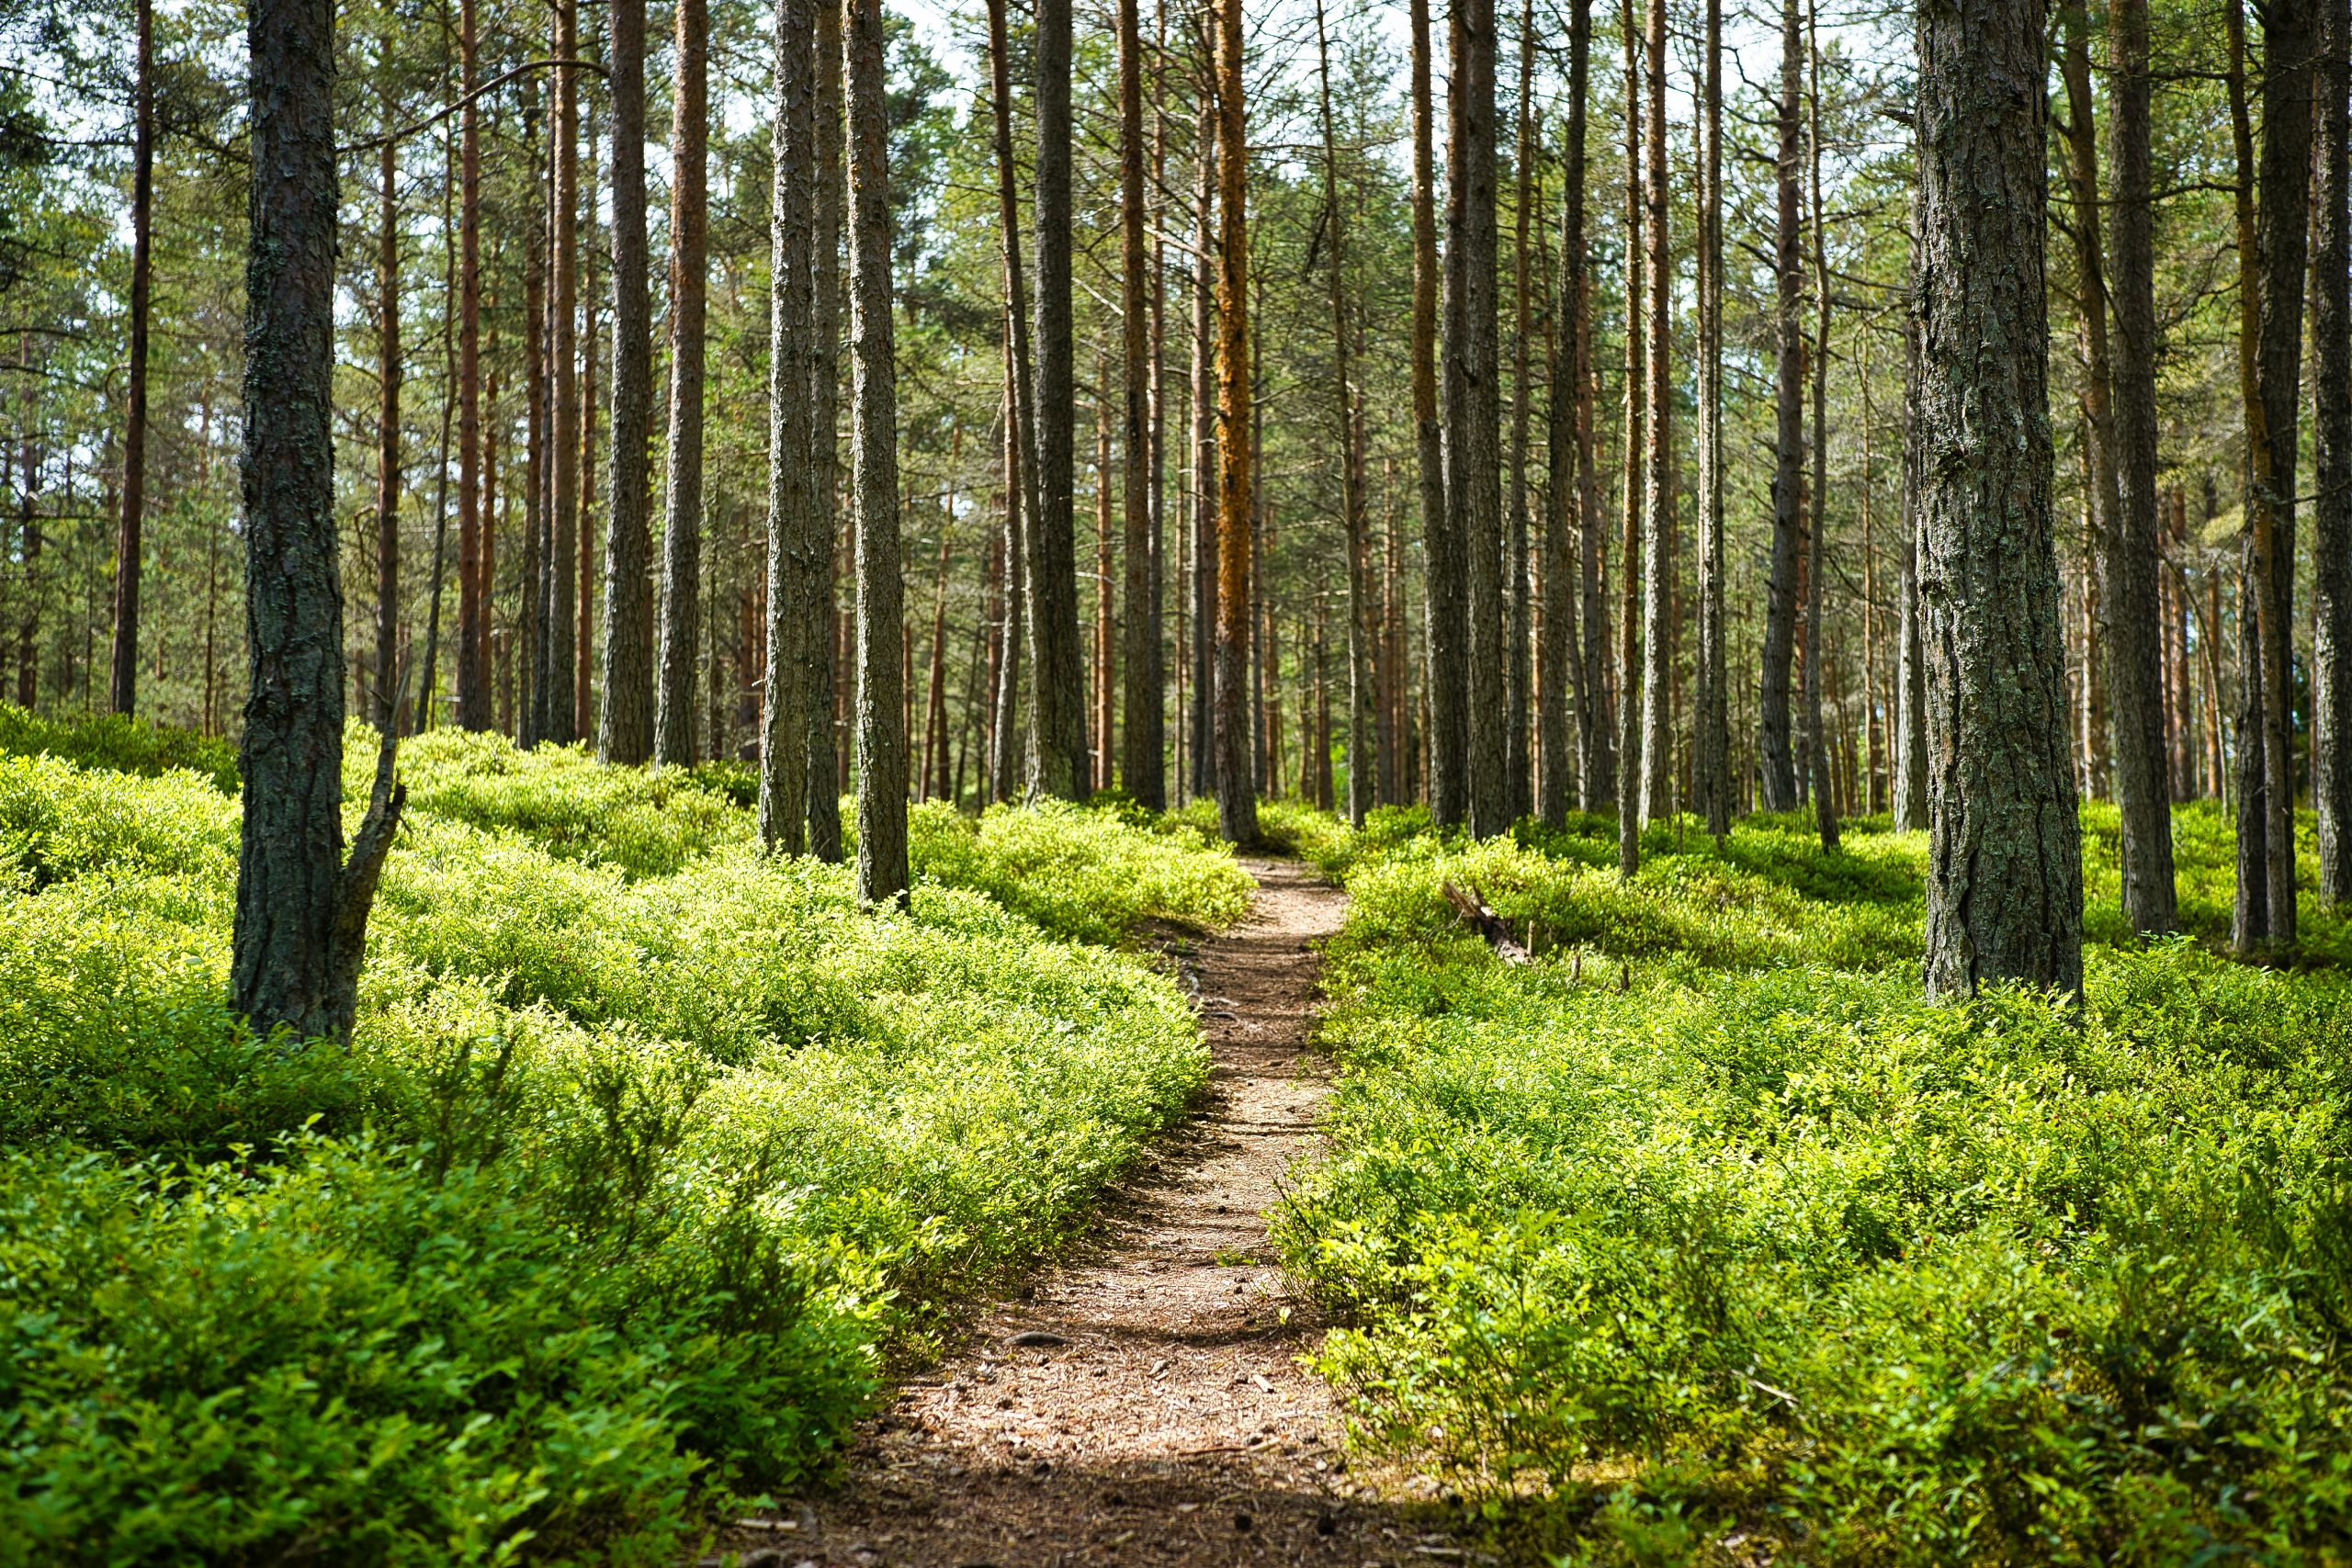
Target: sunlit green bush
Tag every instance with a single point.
(117, 743)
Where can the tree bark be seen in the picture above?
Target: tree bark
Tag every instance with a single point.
(1816, 632)
(1445, 566)
(681, 634)
(2004, 892)
(1237, 797)
(1203, 404)
(1658, 524)
(1711, 772)
(531, 662)
(1518, 672)
(829, 644)
(1004, 757)
(557, 624)
(384, 709)
(1910, 803)
(793, 586)
(1777, 775)
(2332, 458)
(302, 910)
(130, 541)
(1021, 448)
(473, 576)
(1058, 748)
(873, 451)
(1631, 498)
(1573, 653)
(625, 726)
(1141, 766)
(1473, 401)
(2134, 540)
(1362, 746)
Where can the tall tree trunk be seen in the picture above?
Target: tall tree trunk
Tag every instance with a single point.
(1155, 598)
(1910, 803)
(1106, 631)
(302, 912)
(558, 622)
(625, 726)
(1021, 448)
(1658, 631)
(1816, 631)
(1628, 555)
(584, 647)
(1777, 767)
(792, 583)
(129, 542)
(2332, 458)
(1518, 672)
(1572, 564)
(1361, 745)
(473, 574)
(1473, 401)
(1711, 771)
(874, 454)
(829, 647)
(1203, 402)
(2005, 889)
(681, 634)
(1140, 765)
(1237, 798)
(385, 710)
(2102, 503)
(1004, 757)
(2134, 539)
(531, 661)
(1445, 566)
(1595, 718)
(1057, 748)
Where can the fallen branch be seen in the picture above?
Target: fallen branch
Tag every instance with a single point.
(1486, 922)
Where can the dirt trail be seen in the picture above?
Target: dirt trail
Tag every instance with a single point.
(1143, 1403)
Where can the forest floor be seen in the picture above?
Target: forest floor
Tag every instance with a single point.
(1143, 1402)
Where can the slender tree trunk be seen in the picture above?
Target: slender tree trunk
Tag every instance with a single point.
(2134, 539)
(532, 660)
(1518, 797)
(829, 644)
(1361, 745)
(874, 449)
(583, 647)
(1445, 566)
(1629, 576)
(2102, 504)
(933, 779)
(792, 587)
(1658, 524)
(385, 710)
(1237, 798)
(1106, 630)
(1571, 562)
(1204, 482)
(1140, 760)
(1005, 759)
(1816, 631)
(129, 542)
(2331, 457)
(302, 911)
(557, 621)
(681, 636)
(1473, 401)
(1058, 748)
(625, 726)
(1910, 805)
(1020, 464)
(1778, 780)
(2005, 861)
(1711, 767)
(473, 574)
(1596, 719)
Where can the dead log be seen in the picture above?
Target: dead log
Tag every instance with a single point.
(1486, 922)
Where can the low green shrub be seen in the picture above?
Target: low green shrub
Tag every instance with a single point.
(117, 743)
(1705, 1226)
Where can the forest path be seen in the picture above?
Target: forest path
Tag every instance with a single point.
(1164, 1419)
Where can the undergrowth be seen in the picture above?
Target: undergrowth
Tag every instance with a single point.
(649, 1153)
(1702, 1239)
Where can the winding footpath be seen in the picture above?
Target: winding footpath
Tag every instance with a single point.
(1142, 1404)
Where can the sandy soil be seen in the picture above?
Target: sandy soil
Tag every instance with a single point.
(1143, 1402)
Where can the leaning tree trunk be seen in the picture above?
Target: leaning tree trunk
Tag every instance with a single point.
(681, 636)
(2134, 539)
(625, 725)
(2331, 459)
(301, 914)
(1236, 796)
(1141, 765)
(2005, 882)
(1657, 797)
(1445, 564)
(1057, 684)
(792, 586)
(130, 543)
(1472, 403)
(1776, 762)
(874, 456)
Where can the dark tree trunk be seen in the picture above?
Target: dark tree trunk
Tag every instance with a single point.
(1816, 632)
(473, 571)
(1361, 744)
(1711, 770)
(1204, 486)
(1570, 661)
(1021, 444)
(1658, 631)
(2004, 886)
(1446, 564)
(625, 726)
(793, 585)
(302, 915)
(1058, 749)
(2332, 460)
(1005, 754)
(2134, 541)
(385, 710)
(1237, 798)
(1473, 401)
(828, 770)
(1910, 803)
(681, 637)
(1518, 672)
(1777, 774)
(873, 456)
(2100, 505)
(1629, 554)
(129, 542)
(1141, 766)
(532, 651)
(558, 622)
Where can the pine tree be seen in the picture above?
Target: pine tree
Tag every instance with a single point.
(681, 632)
(625, 725)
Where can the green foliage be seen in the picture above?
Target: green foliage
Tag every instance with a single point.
(645, 1154)
(117, 744)
(1708, 1202)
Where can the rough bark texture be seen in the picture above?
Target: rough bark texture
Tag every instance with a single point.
(1445, 565)
(2004, 887)
(1910, 802)
(1629, 506)
(301, 913)
(1145, 739)
(625, 726)
(1203, 402)
(681, 634)
(383, 709)
(1659, 477)
(2134, 541)
(1237, 797)
(1057, 688)
(473, 707)
(1816, 631)
(785, 782)
(1473, 400)
(1776, 761)
(531, 653)
(1362, 745)
(1020, 464)
(1711, 764)
(873, 456)
(130, 541)
(557, 622)
(1565, 753)
(2332, 460)
(1519, 674)
(826, 771)
(1596, 720)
